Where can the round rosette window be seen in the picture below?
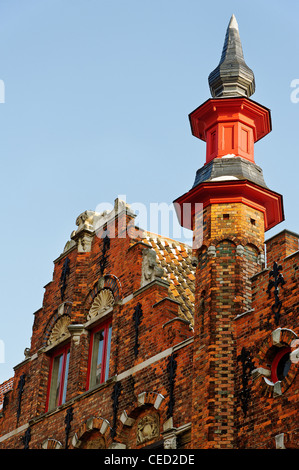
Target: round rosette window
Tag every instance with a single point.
(278, 360)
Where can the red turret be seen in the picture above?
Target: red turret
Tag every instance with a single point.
(230, 126)
(230, 123)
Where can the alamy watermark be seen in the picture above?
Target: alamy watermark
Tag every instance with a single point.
(158, 218)
(2, 352)
(2, 92)
(295, 93)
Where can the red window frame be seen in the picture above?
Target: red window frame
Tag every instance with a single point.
(276, 360)
(64, 350)
(102, 326)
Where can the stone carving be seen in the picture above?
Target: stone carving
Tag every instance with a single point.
(211, 251)
(102, 302)
(150, 268)
(84, 243)
(294, 355)
(85, 220)
(84, 233)
(91, 222)
(170, 442)
(147, 428)
(60, 329)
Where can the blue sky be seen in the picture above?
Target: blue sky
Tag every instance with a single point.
(97, 97)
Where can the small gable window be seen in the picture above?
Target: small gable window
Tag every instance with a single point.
(99, 354)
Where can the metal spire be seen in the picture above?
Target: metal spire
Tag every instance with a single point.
(232, 77)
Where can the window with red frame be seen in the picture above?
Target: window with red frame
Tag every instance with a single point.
(99, 354)
(58, 377)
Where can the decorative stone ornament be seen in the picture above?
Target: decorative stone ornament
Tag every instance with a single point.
(91, 434)
(147, 428)
(170, 442)
(211, 251)
(84, 243)
(150, 268)
(60, 329)
(102, 302)
(84, 234)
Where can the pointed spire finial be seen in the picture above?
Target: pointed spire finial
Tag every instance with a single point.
(232, 77)
(233, 23)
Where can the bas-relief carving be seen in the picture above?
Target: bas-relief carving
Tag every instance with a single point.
(150, 268)
(102, 302)
(60, 329)
(147, 428)
(84, 243)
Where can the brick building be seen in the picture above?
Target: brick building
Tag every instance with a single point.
(145, 342)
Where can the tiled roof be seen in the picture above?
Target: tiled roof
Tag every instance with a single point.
(175, 259)
(5, 387)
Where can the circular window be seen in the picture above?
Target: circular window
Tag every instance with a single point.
(281, 365)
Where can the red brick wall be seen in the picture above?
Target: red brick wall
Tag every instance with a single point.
(270, 414)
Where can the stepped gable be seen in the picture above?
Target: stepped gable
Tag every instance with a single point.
(176, 260)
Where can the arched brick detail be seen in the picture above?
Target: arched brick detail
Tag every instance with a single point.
(109, 281)
(244, 241)
(51, 444)
(92, 424)
(153, 400)
(232, 240)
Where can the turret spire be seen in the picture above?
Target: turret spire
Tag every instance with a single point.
(232, 77)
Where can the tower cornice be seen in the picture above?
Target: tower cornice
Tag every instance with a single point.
(246, 192)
